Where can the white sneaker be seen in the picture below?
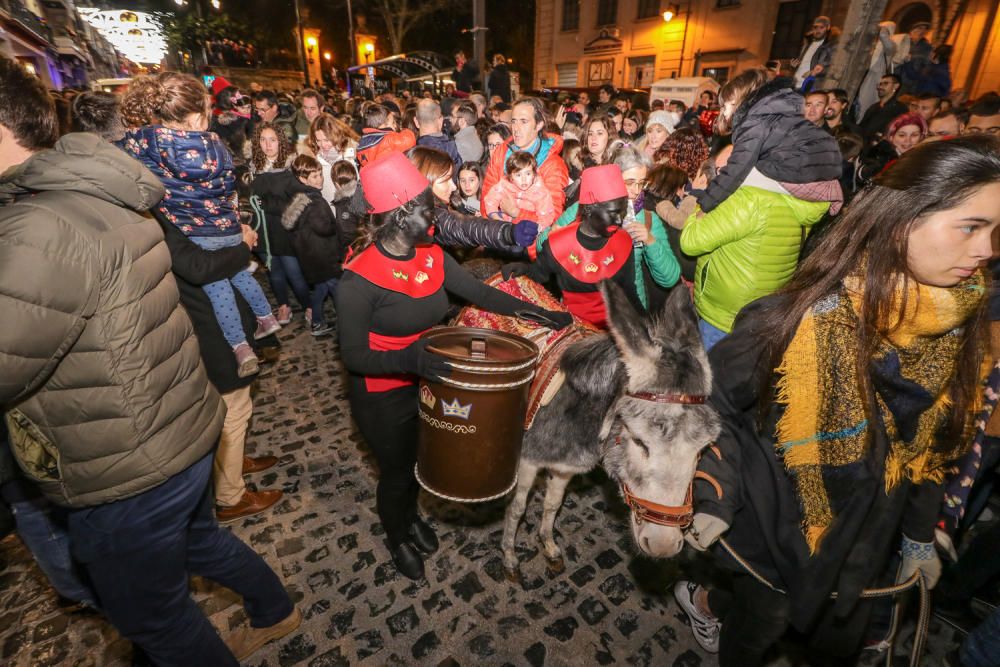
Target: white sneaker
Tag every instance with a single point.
(704, 626)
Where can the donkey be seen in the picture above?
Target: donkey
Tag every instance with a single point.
(616, 408)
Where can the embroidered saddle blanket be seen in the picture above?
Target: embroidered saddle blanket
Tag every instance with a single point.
(551, 344)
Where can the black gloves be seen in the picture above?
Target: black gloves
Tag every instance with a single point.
(513, 270)
(560, 319)
(426, 364)
(553, 319)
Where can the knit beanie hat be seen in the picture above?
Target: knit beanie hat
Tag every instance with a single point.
(661, 118)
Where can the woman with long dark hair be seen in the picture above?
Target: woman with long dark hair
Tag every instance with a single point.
(843, 398)
(393, 289)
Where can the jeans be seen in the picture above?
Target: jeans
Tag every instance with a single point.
(140, 553)
(42, 527)
(222, 296)
(982, 646)
(710, 334)
(320, 291)
(285, 271)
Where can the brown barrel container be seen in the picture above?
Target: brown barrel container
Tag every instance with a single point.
(472, 422)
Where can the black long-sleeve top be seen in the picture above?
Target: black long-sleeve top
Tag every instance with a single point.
(364, 307)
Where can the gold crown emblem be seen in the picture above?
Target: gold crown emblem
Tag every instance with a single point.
(607, 260)
(590, 268)
(399, 275)
(573, 258)
(420, 277)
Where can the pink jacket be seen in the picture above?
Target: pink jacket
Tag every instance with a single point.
(535, 203)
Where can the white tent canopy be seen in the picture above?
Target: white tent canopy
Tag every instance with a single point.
(686, 89)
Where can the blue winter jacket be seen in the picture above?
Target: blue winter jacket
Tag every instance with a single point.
(197, 171)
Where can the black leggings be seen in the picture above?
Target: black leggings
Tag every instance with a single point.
(388, 422)
(754, 617)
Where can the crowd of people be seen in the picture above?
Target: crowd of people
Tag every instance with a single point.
(835, 247)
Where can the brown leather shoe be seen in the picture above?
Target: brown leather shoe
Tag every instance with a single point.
(256, 464)
(245, 641)
(252, 502)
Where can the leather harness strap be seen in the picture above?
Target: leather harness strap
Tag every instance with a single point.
(682, 399)
(675, 516)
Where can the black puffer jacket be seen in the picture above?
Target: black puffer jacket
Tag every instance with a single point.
(351, 211)
(770, 133)
(315, 236)
(276, 190)
(454, 229)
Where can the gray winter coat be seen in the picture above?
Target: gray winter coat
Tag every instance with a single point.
(99, 367)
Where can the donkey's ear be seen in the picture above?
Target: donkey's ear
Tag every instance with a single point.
(629, 332)
(678, 317)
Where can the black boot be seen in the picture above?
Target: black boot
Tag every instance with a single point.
(422, 536)
(408, 562)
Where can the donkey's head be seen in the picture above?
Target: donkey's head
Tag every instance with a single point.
(653, 446)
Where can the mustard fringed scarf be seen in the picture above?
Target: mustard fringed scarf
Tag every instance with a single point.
(824, 429)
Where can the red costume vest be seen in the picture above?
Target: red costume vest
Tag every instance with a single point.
(419, 277)
(590, 267)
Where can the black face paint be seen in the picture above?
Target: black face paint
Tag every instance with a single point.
(604, 218)
(415, 220)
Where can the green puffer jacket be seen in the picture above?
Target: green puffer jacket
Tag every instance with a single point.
(100, 373)
(663, 266)
(747, 247)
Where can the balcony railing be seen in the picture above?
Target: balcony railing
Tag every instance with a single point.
(26, 19)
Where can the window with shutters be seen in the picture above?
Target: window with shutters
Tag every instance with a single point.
(607, 12)
(648, 9)
(570, 15)
(566, 75)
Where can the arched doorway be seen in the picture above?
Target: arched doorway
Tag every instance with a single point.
(915, 12)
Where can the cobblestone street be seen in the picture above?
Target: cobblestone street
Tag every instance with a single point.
(607, 607)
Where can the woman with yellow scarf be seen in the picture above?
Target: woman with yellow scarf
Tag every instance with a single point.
(844, 398)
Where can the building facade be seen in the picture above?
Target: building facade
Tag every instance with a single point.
(631, 43)
(51, 40)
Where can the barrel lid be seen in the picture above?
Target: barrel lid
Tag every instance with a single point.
(500, 347)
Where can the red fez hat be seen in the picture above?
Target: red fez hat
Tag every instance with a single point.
(602, 183)
(390, 182)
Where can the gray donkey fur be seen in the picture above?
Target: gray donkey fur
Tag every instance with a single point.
(659, 442)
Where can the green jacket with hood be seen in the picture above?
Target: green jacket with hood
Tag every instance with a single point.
(747, 247)
(100, 374)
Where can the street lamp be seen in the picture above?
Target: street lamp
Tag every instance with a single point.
(327, 56)
(310, 47)
(672, 11)
(369, 50)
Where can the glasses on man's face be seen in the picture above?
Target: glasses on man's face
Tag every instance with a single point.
(493, 146)
(635, 183)
(983, 130)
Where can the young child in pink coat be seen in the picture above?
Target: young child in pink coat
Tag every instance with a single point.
(522, 186)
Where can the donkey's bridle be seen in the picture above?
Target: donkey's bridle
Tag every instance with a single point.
(674, 516)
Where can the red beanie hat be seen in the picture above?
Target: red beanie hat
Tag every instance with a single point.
(218, 85)
(390, 182)
(602, 183)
